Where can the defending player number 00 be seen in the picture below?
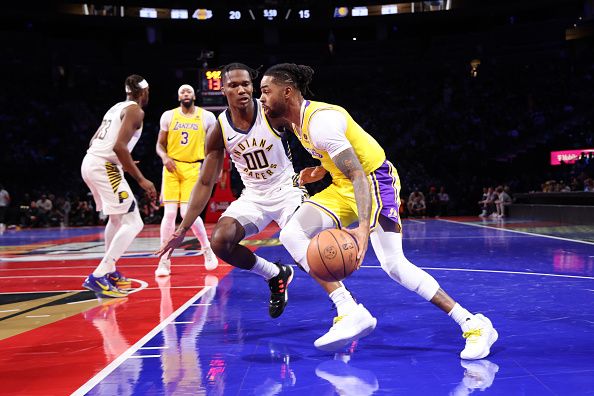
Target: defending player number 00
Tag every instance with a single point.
(332, 255)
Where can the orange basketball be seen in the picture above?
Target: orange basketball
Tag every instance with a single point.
(332, 255)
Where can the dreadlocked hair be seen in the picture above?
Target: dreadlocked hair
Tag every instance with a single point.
(132, 85)
(254, 73)
(299, 76)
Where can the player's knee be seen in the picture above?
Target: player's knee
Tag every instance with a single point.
(170, 216)
(221, 244)
(410, 276)
(133, 221)
(285, 235)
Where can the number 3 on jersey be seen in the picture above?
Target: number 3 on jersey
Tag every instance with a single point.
(184, 139)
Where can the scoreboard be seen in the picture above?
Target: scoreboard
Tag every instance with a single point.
(305, 12)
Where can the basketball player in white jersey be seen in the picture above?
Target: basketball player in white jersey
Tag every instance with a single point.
(270, 193)
(103, 171)
(180, 145)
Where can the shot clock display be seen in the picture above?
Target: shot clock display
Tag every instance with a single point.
(211, 82)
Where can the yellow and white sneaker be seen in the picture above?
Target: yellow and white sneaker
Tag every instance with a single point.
(210, 259)
(164, 268)
(346, 329)
(480, 335)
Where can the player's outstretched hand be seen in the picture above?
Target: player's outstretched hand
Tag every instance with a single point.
(311, 174)
(361, 235)
(149, 187)
(172, 243)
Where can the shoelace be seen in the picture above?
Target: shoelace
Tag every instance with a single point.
(474, 333)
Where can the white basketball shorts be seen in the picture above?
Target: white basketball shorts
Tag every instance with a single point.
(108, 185)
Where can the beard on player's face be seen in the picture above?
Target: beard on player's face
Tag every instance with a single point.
(187, 103)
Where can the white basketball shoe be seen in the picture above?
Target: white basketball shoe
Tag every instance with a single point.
(480, 335)
(346, 329)
(210, 259)
(164, 268)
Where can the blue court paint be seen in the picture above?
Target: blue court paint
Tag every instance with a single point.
(545, 323)
(39, 235)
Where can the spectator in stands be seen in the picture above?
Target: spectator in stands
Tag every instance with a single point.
(432, 202)
(416, 204)
(4, 203)
(444, 201)
(487, 202)
(503, 200)
(589, 185)
(31, 216)
(44, 206)
(149, 210)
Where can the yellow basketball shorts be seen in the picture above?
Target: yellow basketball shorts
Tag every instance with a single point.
(338, 199)
(177, 186)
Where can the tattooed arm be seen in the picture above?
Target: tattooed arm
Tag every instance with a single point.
(349, 165)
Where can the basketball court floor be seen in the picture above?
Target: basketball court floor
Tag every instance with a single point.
(208, 333)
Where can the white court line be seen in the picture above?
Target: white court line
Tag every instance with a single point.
(508, 272)
(15, 310)
(201, 305)
(495, 272)
(519, 232)
(37, 316)
(80, 302)
(143, 357)
(181, 323)
(90, 384)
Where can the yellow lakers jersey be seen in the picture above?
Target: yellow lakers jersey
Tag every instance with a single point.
(186, 136)
(370, 153)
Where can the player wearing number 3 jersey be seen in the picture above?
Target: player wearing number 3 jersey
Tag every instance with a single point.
(181, 147)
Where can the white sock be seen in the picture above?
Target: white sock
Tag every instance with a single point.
(459, 314)
(343, 300)
(197, 228)
(265, 268)
(106, 266)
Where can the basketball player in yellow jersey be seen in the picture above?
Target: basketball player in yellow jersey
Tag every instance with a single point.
(181, 147)
(365, 188)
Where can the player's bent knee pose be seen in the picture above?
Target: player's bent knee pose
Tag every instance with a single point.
(103, 171)
(365, 188)
(270, 193)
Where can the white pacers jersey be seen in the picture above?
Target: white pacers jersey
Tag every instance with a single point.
(102, 145)
(258, 154)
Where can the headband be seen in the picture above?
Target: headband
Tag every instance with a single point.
(142, 84)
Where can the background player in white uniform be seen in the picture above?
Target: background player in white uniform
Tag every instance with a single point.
(267, 173)
(102, 170)
(180, 145)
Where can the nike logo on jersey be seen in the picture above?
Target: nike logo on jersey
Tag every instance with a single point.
(231, 138)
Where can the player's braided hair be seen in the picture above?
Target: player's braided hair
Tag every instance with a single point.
(132, 84)
(299, 76)
(240, 66)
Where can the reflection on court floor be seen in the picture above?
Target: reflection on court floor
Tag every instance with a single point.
(202, 332)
